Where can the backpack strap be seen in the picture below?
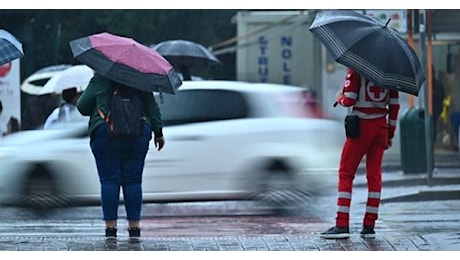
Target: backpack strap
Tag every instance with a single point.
(112, 88)
(102, 115)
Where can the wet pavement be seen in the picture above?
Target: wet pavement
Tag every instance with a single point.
(217, 234)
(414, 216)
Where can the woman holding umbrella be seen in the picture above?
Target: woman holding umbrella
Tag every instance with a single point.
(120, 162)
(122, 66)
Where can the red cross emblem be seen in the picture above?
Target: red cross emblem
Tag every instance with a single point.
(376, 93)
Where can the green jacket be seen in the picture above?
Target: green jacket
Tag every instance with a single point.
(95, 96)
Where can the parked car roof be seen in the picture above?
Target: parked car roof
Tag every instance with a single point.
(238, 86)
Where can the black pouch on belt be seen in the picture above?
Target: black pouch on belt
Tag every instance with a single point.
(352, 126)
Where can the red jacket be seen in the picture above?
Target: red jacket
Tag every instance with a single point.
(370, 101)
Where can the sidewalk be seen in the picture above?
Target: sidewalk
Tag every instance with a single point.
(385, 241)
(442, 159)
(443, 184)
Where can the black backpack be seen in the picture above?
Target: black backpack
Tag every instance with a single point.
(125, 114)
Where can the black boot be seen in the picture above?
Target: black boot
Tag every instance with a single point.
(134, 233)
(111, 233)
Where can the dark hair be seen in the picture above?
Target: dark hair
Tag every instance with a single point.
(69, 94)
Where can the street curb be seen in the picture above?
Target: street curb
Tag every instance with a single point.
(426, 196)
(417, 181)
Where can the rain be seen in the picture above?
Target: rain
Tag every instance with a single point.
(258, 48)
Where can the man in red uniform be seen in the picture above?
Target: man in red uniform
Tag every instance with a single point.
(372, 105)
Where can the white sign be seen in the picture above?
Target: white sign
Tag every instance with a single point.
(10, 97)
(398, 18)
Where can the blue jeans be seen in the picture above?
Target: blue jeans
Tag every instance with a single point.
(120, 164)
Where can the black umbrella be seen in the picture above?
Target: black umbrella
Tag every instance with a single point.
(184, 55)
(368, 46)
(188, 53)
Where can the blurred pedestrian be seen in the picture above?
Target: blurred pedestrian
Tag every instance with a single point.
(67, 110)
(13, 126)
(184, 69)
(311, 103)
(38, 109)
(438, 95)
(369, 132)
(119, 161)
(9, 124)
(3, 121)
(455, 122)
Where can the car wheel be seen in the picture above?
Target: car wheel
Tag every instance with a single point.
(40, 191)
(281, 189)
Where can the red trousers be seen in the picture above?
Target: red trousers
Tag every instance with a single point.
(371, 143)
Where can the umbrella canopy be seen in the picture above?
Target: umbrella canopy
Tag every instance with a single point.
(369, 47)
(126, 61)
(33, 84)
(76, 76)
(10, 47)
(182, 52)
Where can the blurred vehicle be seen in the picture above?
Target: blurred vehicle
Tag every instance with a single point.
(225, 140)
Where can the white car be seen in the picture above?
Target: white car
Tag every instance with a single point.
(225, 140)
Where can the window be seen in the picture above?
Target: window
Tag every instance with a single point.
(193, 106)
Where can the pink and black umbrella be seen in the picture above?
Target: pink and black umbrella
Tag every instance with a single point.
(126, 61)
